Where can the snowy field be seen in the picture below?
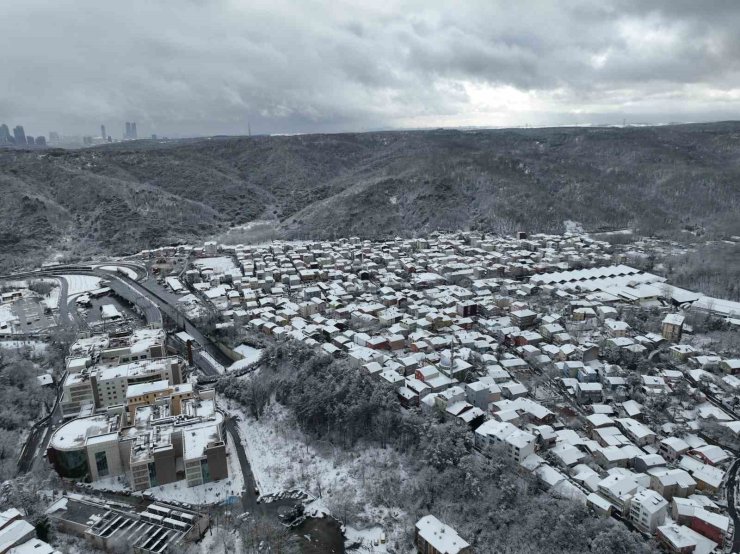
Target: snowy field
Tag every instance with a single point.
(367, 540)
(130, 273)
(38, 347)
(220, 264)
(6, 314)
(16, 284)
(281, 457)
(81, 283)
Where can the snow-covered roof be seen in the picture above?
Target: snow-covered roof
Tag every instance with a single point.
(440, 536)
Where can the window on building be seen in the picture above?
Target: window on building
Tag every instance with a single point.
(205, 471)
(101, 463)
(152, 475)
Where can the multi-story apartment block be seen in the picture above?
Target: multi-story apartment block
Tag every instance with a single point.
(103, 386)
(177, 437)
(648, 510)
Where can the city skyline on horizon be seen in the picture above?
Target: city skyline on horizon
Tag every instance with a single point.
(123, 136)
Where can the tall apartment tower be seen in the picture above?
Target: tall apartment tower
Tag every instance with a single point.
(127, 134)
(5, 136)
(20, 135)
(133, 130)
(102, 132)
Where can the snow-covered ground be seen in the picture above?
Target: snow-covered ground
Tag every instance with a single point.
(6, 314)
(573, 226)
(220, 264)
(208, 493)
(52, 299)
(218, 540)
(212, 362)
(282, 457)
(81, 283)
(130, 273)
(37, 346)
(191, 306)
(368, 540)
(251, 355)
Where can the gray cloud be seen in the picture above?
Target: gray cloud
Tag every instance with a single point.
(206, 67)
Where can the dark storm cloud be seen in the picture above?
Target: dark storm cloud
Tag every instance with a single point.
(189, 68)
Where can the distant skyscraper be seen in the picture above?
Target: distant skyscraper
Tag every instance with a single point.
(53, 136)
(154, 137)
(5, 136)
(41, 140)
(30, 141)
(133, 130)
(127, 134)
(102, 132)
(19, 134)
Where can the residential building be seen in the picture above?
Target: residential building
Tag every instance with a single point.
(672, 327)
(648, 510)
(431, 536)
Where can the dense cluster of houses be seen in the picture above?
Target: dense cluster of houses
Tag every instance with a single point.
(523, 340)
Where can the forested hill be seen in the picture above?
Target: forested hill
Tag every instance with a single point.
(124, 197)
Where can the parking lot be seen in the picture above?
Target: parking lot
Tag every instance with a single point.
(31, 316)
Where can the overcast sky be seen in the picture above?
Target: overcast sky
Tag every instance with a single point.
(202, 67)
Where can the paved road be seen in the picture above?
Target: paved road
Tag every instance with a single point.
(28, 454)
(123, 287)
(67, 307)
(732, 509)
(168, 305)
(249, 497)
(63, 293)
(39, 437)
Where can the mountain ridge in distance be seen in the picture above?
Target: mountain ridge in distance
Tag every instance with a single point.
(124, 197)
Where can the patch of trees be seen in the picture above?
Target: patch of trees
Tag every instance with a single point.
(491, 503)
(22, 401)
(713, 269)
(42, 288)
(720, 434)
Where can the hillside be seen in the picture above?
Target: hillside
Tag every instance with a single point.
(123, 197)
